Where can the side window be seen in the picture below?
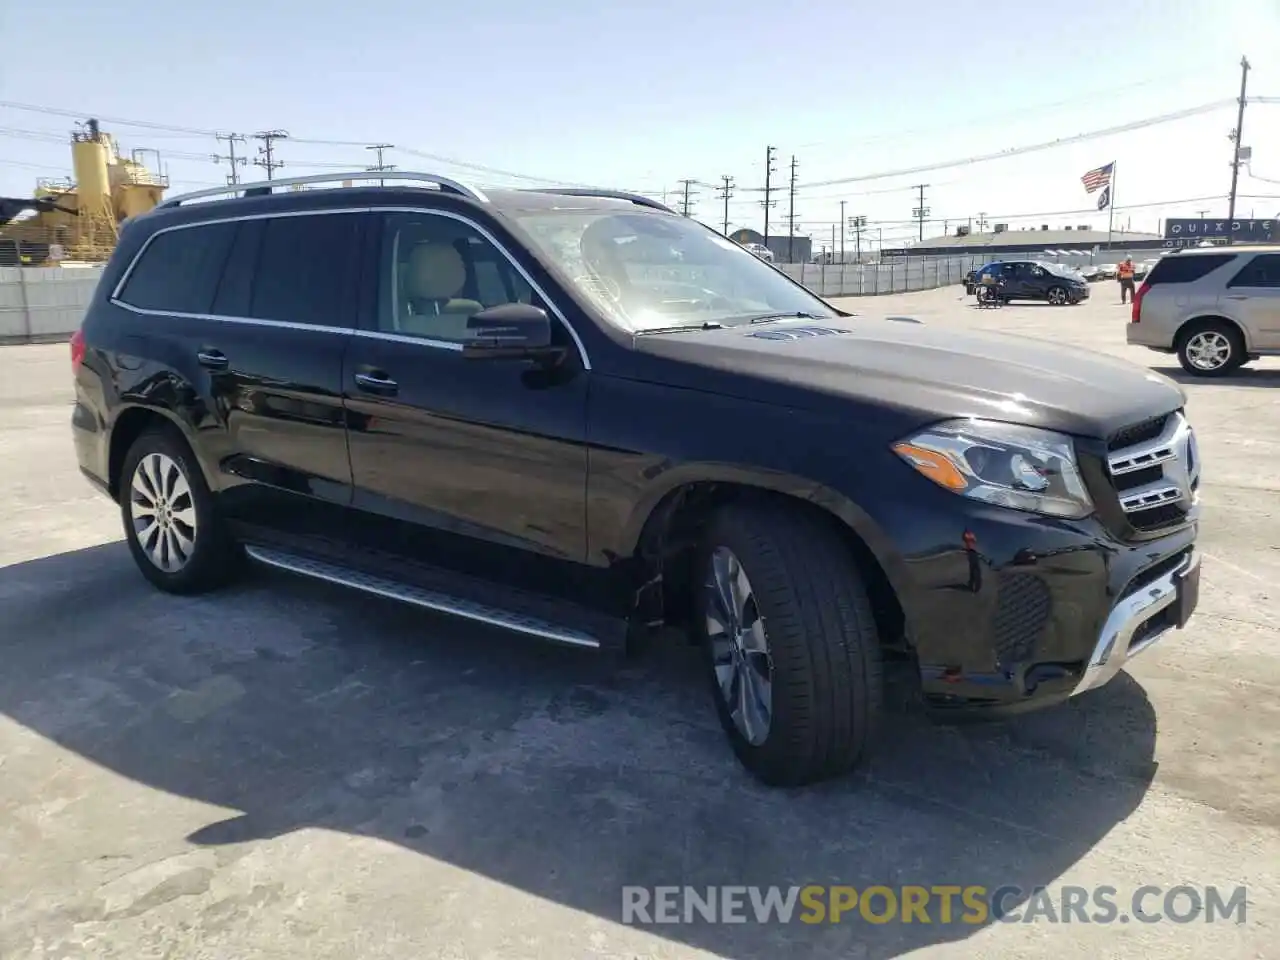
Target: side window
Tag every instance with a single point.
(1177, 268)
(436, 272)
(179, 270)
(1262, 271)
(305, 269)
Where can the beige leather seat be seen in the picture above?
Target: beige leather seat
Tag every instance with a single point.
(434, 276)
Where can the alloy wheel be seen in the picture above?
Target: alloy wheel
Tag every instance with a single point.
(739, 646)
(163, 512)
(1208, 350)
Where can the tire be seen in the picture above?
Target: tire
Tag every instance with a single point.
(1216, 342)
(193, 551)
(807, 602)
(1057, 296)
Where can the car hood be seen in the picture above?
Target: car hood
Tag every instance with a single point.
(927, 373)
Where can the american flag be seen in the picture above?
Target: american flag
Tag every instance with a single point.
(1094, 179)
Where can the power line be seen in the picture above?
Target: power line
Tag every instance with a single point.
(726, 191)
(266, 152)
(1038, 109)
(232, 139)
(1030, 148)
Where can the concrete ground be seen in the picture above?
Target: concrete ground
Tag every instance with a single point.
(287, 770)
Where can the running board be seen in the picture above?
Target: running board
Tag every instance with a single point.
(420, 596)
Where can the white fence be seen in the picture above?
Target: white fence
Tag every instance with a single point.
(47, 303)
(43, 303)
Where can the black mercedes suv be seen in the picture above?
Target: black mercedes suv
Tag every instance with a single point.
(580, 416)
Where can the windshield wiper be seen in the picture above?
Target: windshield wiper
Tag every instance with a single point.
(683, 328)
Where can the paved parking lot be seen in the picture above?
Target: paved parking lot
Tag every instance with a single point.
(286, 770)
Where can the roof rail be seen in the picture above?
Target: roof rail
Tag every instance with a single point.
(265, 187)
(635, 198)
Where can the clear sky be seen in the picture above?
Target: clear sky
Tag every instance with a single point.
(646, 95)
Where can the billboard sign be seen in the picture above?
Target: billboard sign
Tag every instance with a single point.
(1189, 232)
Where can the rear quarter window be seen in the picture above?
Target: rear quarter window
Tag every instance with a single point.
(1182, 269)
(1262, 271)
(178, 270)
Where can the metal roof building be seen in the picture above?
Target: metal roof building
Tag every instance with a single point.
(1029, 242)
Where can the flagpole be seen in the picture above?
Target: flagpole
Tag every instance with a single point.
(1111, 207)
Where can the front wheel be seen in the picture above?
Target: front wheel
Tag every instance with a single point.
(175, 534)
(1057, 296)
(792, 648)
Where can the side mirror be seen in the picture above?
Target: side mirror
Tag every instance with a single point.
(512, 331)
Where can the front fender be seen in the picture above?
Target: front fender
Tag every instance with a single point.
(669, 480)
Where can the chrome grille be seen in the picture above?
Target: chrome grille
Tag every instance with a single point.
(1156, 478)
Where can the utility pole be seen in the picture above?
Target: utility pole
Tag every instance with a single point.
(266, 153)
(379, 148)
(769, 171)
(844, 230)
(1202, 213)
(726, 191)
(685, 207)
(1236, 136)
(791, 211)
(982, 221)
(232, 139)
(920, 212)
(857, 224)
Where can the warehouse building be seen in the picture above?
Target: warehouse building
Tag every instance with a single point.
(1080, 240)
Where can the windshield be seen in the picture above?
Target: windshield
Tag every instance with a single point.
(648, 271)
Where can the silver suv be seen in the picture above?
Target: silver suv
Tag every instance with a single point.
(1216, 308)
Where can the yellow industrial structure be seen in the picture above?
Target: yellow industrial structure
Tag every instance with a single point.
(79, 219)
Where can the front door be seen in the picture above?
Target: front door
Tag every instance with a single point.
(476, 465)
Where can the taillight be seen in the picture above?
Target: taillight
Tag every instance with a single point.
(1136, 316)
(77, 350)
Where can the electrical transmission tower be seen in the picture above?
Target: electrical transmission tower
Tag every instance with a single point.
(726, 191)
(791, 212)
(267, 152)
(232, 139)
(920, 212)
(686, 196)
(768, 202)
(379, 148)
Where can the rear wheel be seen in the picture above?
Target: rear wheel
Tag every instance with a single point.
(1211, 348)
(174, 532)
(792, 648)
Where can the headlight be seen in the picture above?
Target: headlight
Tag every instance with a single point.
(1024, 468)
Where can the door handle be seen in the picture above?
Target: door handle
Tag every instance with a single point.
(373, 383)
(213, 359)
(1236, 296)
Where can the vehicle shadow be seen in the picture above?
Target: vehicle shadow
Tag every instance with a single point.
(302, 706)
(1244, 377)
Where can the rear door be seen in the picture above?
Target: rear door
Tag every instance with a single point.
(1252, 296)
(273, 353)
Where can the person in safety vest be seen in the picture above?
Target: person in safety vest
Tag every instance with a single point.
(1124, 273)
